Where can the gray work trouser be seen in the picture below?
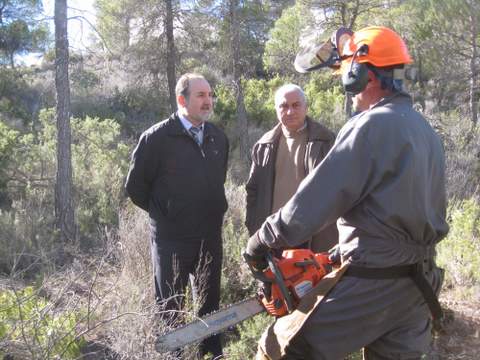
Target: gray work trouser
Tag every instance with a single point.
(387, 317)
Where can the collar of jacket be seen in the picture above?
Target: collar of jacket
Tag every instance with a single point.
(315, 133)
(399, 96)
(176, 128)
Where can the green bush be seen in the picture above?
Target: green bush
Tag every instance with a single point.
(237, 282)
(259, 100)
(99, 161)
(29, 319)
(245, 347)
(325, 101)
(17, 95)
(225, 106)
(458, 253)
(8, 138)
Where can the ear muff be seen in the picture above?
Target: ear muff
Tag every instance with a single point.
(355, 79)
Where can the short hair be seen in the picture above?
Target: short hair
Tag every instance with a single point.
(183, 84)
(286, 89)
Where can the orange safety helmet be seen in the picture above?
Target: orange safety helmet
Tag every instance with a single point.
(374, 48)
(352, 54)
(385, 47)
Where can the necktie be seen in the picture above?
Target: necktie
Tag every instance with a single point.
(195, 132)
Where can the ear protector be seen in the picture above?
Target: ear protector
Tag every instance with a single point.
(355, 80)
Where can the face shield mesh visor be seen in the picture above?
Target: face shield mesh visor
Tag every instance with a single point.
(328, 54)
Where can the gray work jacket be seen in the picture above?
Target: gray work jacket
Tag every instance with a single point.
(384, 179)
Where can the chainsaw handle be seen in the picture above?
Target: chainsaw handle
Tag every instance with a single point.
(280, 282)
(257, 274)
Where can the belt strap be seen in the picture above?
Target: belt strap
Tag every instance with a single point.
(413, 271)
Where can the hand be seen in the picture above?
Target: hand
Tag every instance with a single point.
(334, 254)
(255, 253)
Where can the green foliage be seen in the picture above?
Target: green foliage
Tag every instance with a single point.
(17, 96)
(8, 139)
(259, 100)
(19, 32)
(237, 283)
(225, 104)
(325, 101)
(113, 23)
(458, 253)
(27, 317)
(284, 42)
(245, 347)
(99, 162)
(82, 79)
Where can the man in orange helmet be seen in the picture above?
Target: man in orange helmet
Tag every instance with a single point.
(384, 179)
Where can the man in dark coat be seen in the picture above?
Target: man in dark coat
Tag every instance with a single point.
(385, 179)
(282, 158)
(177, 175)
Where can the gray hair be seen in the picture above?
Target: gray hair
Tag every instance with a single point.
(286, 89)
(183, 84)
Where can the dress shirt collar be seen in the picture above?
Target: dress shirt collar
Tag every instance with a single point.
(187, 124)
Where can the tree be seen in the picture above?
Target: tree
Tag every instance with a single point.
(444, 35)
(242, 122)
(457, 25)
(115, 20)
(64, 210)
(332, 14)
(170, 54)
(285, 39)
(20, 30)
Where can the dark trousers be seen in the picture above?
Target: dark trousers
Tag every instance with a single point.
(174, 261)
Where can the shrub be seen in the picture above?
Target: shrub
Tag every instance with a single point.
(28, 318)
(458, 253)
(99, 161)
(325, 102)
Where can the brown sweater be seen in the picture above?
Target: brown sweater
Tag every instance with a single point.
(289, 165)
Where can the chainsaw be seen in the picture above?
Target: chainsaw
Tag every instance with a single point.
(285, 281)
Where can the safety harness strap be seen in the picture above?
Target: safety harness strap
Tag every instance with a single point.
(414, 271)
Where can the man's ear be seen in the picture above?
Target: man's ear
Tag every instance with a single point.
(181, 100)
(373, 81)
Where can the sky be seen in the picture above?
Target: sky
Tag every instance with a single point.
(79, 30)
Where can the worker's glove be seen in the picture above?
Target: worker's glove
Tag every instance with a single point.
(255, 253)
(334, 254)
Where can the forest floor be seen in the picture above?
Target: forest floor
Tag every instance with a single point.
(461, 336)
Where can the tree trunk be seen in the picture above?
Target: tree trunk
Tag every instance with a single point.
(242, 122)
(170, 55)
(64, 211)
(473, 93)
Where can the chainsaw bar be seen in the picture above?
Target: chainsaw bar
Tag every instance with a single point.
(211, 324)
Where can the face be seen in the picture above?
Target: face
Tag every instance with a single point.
(291, 110)
(198, 106)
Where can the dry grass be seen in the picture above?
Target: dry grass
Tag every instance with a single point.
(111, 292)
(461, 339)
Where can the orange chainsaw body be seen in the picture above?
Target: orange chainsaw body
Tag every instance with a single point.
(299, 270)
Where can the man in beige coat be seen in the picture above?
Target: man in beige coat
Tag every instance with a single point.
(282, 158)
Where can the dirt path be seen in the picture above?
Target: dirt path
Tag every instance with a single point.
(461, 339)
